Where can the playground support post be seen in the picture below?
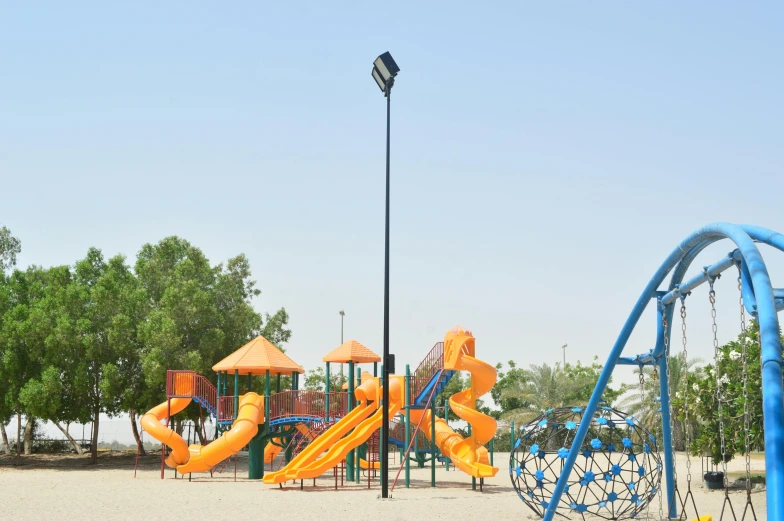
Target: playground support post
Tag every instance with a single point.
(326, 396)
(357, 471)
(236, 392)
(350, 455)
(473, 479)
(446, 419)
(664, 392)
(433, 458)
(408, 422)
(772, 385)
(217, 406)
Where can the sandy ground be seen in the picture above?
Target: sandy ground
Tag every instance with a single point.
(67, 488)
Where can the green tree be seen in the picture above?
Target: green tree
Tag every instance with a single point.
(197, 315)
(10, 247)
(23, 333)
(643, 402)
(98, 324)
(541, 387)
(723, 380)
(54, 394)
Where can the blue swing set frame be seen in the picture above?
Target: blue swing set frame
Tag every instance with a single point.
(760, 299)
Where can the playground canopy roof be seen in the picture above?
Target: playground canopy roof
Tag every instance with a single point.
(257, 357)
(352, 351)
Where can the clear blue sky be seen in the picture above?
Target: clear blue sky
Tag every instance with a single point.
(546, 155)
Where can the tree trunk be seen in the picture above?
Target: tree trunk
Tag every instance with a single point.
(135, 429)
(201, 428)
(73, 442)
(28, 436)
(94, 441)
(677, 435)
(6, 446)
(18, 435)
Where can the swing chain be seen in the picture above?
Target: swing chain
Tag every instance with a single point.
(719, 394)
(685, 377)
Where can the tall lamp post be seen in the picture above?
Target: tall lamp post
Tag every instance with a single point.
(384, 71)
(342, 314)
(564, 353)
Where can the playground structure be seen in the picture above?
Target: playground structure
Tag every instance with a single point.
(761, 301)
(616, 476)
(321, 431)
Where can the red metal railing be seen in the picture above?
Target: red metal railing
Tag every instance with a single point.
(306, 403)
(397, 431)
(188, 384)
(226, 409)
(427, 368)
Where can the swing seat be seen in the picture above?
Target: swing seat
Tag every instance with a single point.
(703, 518)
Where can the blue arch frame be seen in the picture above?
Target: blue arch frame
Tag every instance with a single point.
(760, 299)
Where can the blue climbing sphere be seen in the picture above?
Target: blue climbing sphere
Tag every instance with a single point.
(618, 461)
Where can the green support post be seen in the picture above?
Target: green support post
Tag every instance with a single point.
(380, 431)
(408, 423)
(511, 435)
(266, 398)
(433, 458)
(294, 381)
(217, 405)
(491, 451)
(277, 384)
(236, 392)
(446, 419)
(326, 396)
(358, 472)
(250, 382)
(350, 455)
(473, 479)
(375, 368)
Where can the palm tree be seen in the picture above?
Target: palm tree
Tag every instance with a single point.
(543, 387)
(644, 404)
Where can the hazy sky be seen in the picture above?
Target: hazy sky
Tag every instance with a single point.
(547, 156)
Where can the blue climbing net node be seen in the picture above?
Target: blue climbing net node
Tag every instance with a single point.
(616, 474)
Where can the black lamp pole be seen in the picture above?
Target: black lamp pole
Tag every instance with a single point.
(384, 71)
(385, 414)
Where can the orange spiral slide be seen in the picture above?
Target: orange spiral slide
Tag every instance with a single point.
(467, 454)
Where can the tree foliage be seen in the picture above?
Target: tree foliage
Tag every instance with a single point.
(10, 247)
(723, 382)
(523, 394)
(97, 338)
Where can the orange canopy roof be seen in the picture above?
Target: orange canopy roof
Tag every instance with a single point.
(257, 357)
(352, 351)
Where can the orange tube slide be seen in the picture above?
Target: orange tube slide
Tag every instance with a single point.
(151, 423)
(455, 447)
(244, 428)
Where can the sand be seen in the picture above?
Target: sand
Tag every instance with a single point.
(67, 488)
